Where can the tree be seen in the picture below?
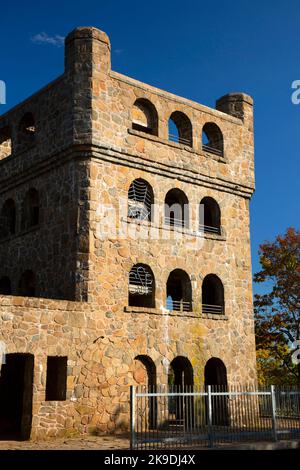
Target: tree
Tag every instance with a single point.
(277, 312)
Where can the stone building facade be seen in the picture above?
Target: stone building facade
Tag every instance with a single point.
(124, 249)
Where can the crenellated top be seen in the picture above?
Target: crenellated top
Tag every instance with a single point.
(94, 106)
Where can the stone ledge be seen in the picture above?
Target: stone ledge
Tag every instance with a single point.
(21, 233)
(157, 311)
(132, 160)
(173, 313)
(213, 316)
(43, 303)
(151, 225)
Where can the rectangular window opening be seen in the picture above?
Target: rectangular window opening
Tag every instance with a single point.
(56, 380)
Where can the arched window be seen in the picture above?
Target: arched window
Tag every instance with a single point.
(30, 209)
(5, 142)
(140, 200)
(27, 130)
(176, 208)
(180, 129)
(144, 117)
(209, 216)
(141, 286)
(179, 291)
(212, 139)
(27, 284)
(5, 286)
(212, 295)
(8, 219)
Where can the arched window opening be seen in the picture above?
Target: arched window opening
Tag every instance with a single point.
(180, 379)
(213, 295)
(140, 200)
(212, 139)
(180, 129)
(176, 209)
(179, 291)
(215, 374)
(5, 286)
(209, 216)
(27, 284)
(144, 375)
(8, 219)
(27, 130)
(30, 209)
(5, 142)
(144, 117)
(141, 286)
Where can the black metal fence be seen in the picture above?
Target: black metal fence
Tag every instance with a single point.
(174, 417)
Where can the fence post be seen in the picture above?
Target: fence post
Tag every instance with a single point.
(274, 422)
(132, 417)
(210, 436)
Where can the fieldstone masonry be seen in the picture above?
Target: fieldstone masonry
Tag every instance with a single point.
(83, 153)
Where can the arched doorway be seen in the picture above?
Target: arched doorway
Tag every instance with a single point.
(144, 374)
(216, 376)
(181, 379)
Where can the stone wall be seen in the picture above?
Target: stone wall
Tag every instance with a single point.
(50, 249)
(84, 158)
(101, 346)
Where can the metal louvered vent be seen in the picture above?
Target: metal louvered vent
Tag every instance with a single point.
(140, 281)
(139, 200)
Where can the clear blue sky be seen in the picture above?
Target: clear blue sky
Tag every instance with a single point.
(197, 49)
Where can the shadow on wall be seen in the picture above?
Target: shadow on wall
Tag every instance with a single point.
(121, 426)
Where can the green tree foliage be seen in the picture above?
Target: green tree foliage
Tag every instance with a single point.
(277, 312)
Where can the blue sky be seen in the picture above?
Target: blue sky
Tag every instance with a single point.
(197, 49)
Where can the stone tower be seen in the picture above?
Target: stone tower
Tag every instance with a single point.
(125, 249)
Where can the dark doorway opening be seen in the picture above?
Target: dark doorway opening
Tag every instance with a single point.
(216, 375)
(16, 386)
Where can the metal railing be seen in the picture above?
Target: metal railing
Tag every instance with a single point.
(180, 140)
(176, 416)
(172, 222)
(214, 150)
(179, 306)
(209, 229)
(217, 309)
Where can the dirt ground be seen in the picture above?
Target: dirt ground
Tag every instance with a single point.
(79, 443)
